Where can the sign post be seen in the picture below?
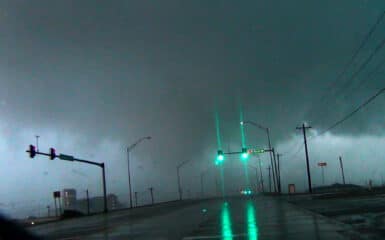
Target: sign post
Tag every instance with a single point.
(291, 188)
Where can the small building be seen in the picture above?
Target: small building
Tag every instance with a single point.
(69, 198)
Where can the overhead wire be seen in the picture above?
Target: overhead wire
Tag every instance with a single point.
(362, 66)
(352, 59)
(369, 100)
(355, 74)
(369, 77)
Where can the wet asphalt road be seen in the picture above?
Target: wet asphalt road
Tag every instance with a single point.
(234, 218)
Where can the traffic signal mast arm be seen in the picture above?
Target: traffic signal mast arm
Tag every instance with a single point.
(64, 157)
(52, 155)
(249, 151)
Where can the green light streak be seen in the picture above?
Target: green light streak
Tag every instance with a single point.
(242, 127)
(227, 233)
(219, 142)
(252, 229)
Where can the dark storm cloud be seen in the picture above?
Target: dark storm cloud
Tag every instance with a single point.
(120, 70)
(124, 61)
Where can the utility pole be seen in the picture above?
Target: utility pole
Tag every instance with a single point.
(152, 195)
(269, 168)
(136, 199)
(303, 128)
(88, 203)
(279, 173)
(342, 170)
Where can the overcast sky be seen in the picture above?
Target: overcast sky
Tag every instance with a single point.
(91, 77)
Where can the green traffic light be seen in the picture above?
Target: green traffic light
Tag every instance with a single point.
(245, 156)
(220, 158)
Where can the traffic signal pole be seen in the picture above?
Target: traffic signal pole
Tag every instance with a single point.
(70, 158)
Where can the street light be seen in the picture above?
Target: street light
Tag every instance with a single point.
(178, 175)
(129, 149)
(269, 142)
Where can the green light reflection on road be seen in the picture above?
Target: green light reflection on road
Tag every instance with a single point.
(227, 233)
(252, 228)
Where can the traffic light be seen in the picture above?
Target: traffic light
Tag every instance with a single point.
(32, 151)
(245, 154)
(220, 156)
(52, 153)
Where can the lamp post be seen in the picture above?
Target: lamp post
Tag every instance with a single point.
(129, 149)
(272, 160)
(178, 176)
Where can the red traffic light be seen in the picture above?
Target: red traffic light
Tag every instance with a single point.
(52, 153)
(32, 151)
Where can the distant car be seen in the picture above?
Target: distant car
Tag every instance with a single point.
(246, 192)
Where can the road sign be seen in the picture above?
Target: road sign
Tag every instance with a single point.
(66, 157)
(322, 164)
(250, 151)
(56, 194)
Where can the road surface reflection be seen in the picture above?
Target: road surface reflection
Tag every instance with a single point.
(251, 222)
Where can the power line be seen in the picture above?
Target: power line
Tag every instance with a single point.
(296, 152)
(363, 65)
(344, 70)
(353, 112)
(340, 121)
(355, 54)
(361, 46)
(369, 77)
